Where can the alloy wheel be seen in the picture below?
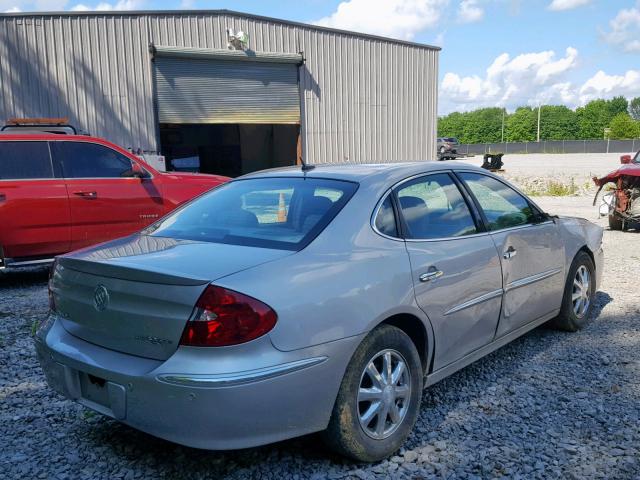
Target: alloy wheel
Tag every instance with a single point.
(384, 394)
(581, 294)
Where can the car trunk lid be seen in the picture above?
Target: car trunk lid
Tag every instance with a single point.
(135, 295)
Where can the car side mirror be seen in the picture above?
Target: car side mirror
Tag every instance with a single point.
(137, 171)
(541, 217)
(624, 159)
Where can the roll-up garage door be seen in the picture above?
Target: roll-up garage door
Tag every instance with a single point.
(194, 86)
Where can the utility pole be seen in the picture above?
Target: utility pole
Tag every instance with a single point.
(539, 106)
(502, 140)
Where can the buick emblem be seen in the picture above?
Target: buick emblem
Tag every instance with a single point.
(101, 298)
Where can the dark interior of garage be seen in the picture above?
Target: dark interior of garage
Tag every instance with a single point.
(229, 149)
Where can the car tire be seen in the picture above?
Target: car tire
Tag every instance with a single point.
(573, 315)
(348, 432)
(442, 150)
(615, 222)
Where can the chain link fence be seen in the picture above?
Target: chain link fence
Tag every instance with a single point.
(552, 146)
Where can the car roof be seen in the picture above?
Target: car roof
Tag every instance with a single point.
(39, 135)
(365, 172)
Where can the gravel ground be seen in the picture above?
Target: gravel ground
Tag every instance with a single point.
(549, 405)
(534, 172)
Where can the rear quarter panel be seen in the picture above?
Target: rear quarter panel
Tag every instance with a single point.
(343, 284)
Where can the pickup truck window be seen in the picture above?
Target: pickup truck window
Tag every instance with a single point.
(89, 160)
(24, 161)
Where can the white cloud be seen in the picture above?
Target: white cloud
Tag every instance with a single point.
(49, 5)
(469, 11)
(508, 80)
(529, 79)
(104, 6)
(625, 29)
(390, 18)
(187, 4)
(13, 10)
(602, 85)
(558, 5)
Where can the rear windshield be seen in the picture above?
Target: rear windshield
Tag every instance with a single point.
(281, 213)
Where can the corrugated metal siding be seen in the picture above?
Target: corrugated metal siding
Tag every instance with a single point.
(191, 90)
(362, 99)
(93, 69)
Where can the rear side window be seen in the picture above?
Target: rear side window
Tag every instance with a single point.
(433, 207)
(281, 213)
(25, 160)
(89, 160)
(386, 219)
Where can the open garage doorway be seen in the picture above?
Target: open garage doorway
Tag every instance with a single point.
(229, 149)
(227, 112)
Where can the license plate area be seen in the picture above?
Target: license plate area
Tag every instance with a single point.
(106, 397)
(94, 389)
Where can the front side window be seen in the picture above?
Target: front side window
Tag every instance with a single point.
(503, 207)
(282, 213)
(90, 160)
(25, 160)
(433, 207)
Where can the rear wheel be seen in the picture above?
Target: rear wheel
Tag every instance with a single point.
(615, 222)
(579, 291)
(379, 398)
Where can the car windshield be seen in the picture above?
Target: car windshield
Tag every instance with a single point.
(281, 213)
(636, 159)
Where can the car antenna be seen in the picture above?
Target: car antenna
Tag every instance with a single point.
(305, 166)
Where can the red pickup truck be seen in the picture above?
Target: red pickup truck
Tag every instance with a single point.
(63, 192)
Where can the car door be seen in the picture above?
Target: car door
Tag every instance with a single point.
(105, 200)
(34, 207)
(455, 266)
(530, 248)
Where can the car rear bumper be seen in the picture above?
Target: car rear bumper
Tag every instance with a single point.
(208, 405)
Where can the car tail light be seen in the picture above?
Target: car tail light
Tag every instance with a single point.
(225, 317)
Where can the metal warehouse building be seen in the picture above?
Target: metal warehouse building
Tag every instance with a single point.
(191, 86)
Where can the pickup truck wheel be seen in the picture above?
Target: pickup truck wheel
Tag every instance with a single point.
(579, 292)
(615, 222)
(379, 398)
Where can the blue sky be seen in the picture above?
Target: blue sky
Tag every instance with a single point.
(495, 52)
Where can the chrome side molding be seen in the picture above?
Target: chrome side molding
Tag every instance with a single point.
(239, 378)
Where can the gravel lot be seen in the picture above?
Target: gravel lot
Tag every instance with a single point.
(549, 405)
(534, 172)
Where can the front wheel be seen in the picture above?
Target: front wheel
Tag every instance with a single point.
(442, 150)
(379, 398)
(579, 292)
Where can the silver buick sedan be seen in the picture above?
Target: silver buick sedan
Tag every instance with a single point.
(293, 301)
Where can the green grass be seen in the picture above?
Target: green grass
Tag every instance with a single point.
(553, 188)
(34, 327)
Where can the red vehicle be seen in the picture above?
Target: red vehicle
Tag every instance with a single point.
(623, 204)
(63, 192)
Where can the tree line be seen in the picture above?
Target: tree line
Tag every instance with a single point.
(616, 118)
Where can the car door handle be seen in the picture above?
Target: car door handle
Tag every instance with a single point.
(3, 197)
(88, 195)
(431, 275)
(510, 253)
